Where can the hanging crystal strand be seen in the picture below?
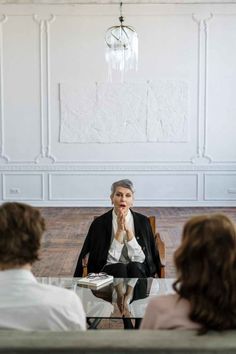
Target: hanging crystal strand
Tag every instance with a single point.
(109, 62)
(123, 65)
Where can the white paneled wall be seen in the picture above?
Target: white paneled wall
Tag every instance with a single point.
(45, 45)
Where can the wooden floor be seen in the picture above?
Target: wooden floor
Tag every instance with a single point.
(67, 228)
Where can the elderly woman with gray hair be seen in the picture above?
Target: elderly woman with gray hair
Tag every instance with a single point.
(120, 242)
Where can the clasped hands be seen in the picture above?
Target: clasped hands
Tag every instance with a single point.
(123, 231)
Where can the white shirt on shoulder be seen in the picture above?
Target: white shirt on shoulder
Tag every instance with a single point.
(28, 305)
(168, 312)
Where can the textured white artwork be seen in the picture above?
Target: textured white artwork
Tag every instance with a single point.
(124, 112)
(167, 111)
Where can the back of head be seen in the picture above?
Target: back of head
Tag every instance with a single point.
(124, 183)
(206, 270)
(21, 229)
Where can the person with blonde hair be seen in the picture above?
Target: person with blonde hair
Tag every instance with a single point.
(26, 304)
(205, 288)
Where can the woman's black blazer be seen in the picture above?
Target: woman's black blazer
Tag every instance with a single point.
(98, 240)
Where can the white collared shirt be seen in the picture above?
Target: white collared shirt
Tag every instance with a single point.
(135, 253)
(28, 305)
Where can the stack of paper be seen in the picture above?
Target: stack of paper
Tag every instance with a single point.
(96, 282)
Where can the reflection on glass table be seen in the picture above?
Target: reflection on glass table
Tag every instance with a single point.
(128, 297)
(62, 282)
(123, 298)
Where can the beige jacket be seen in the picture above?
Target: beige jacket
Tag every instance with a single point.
(168, 312)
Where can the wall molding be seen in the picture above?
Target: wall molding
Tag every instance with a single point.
(17, 197)
(202, 24)
(139, 167)
(229, 190)
(207, 30)
(3, 157)
(46, 198)
(137, 199)
(45, 155)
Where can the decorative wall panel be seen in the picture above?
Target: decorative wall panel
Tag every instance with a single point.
(220, 186)
(20, 88)
(124, 112)
(221, 88)
(160, 186)
(66, 133)
(22, 186)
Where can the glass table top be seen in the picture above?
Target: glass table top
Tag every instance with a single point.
(123, 298)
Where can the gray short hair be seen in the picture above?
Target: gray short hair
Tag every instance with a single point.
(125, 183)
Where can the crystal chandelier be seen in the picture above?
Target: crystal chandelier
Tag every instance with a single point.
(122, 48)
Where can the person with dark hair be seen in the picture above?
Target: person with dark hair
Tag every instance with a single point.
(26, 304)
(205, 287)
(120, 242)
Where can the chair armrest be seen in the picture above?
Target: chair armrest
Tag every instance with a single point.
(84, 265)
(160, 245)
(85, 271)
